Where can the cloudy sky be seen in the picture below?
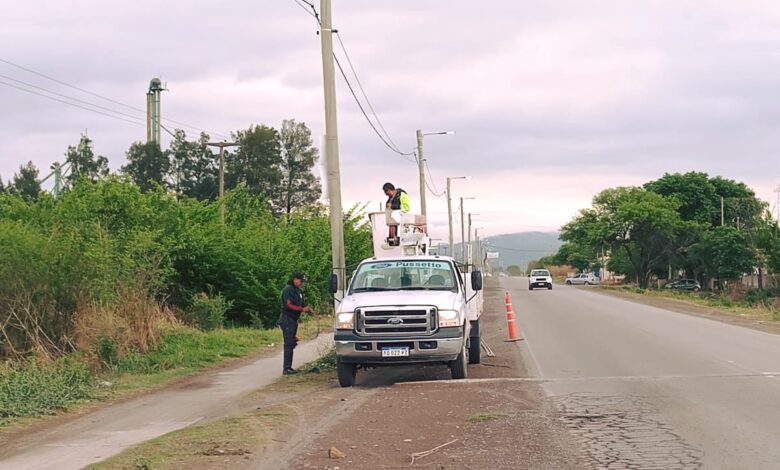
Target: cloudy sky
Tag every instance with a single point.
(551, 101)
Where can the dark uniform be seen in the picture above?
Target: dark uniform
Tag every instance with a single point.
(395, 201)
(292, 304)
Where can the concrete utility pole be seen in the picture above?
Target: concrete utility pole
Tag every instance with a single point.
(470, 257)
(222, 146)
(421, 166)
(721, 211)
(332, 145)
(153, 111)
(449, 211)
(463, 231)
(777, 206)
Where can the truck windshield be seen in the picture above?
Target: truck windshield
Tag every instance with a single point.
(404, 275)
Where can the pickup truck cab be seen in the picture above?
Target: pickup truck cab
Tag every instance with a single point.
(408, 307)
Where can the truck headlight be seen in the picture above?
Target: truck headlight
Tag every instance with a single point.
(448, 318)
(345, 321)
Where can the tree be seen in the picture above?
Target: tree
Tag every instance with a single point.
(514, 270)
(299, 187)
(194, 168)
(2, 186)
(642, 223)
(256, 163)
(725, 253)
(83, 162)
(700, 198)
(147, 165)
(26, 182)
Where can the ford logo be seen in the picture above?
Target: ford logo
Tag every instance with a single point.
(395, 321)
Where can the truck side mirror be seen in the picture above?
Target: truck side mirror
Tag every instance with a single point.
(476, 280)
(333, 283)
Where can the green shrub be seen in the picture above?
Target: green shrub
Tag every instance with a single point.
(209, 313)
(32, 389)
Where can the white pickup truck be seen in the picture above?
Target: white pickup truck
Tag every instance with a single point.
(407, 307)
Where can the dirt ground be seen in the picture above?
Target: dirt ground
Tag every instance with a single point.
(394, 413)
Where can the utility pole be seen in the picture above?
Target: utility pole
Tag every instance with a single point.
(449, 212)
(421, 165)
(777, 206)
(222, 146)
(470, 257)
(332, 145)
(721, 211)
(463, 231)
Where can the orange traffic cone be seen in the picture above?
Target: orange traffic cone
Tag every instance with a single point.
(510, 319)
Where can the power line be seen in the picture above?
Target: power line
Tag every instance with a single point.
(70, 104)
(365, 96)
(433, 190)
(385, 140)
(43, 75)
(68, 97)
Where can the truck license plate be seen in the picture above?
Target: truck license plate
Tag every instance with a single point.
(395, 352)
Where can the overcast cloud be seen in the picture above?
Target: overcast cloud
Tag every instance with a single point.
(551, 102)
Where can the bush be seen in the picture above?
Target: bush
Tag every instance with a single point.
(69, 265)
(209, 313)
(33, 388)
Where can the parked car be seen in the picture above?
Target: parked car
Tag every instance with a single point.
(685, 284)
(539, 278)
(583, 278)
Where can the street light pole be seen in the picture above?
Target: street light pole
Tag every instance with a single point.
(463, 231)
(449, 211)
(470, 257)
(421, 166)
(222, 146)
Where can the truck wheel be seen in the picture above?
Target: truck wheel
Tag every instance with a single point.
(530, 288)
(458, 366)
(475, 348)
(347, 373)
(549, 287)
(568, 283)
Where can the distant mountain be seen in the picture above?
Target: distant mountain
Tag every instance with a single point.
(520, 248)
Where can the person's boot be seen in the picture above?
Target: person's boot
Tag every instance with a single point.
(289, 371)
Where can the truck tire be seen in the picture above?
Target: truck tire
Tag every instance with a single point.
(475, 348)
(458, 366)
(347, 373)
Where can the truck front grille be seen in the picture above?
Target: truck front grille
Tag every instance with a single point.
(397, 321)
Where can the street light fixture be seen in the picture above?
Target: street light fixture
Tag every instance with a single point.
(449, 210)
(463, 231)
(421, 165)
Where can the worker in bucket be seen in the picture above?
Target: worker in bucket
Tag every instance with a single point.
(398, 204)
(293, 304)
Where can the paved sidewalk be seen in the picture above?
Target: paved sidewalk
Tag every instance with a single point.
(111, 430)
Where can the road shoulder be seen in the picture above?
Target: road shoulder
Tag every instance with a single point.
(730, 316)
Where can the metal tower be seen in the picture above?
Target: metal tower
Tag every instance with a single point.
(153, 111)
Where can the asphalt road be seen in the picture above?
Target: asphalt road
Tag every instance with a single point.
(643, 387)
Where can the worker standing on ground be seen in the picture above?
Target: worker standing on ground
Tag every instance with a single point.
(293, 304)
(398, 204)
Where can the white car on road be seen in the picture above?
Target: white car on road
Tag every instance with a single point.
(583, 278)
(539, 278)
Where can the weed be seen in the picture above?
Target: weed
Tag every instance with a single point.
(33, 388)
(484, 417)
